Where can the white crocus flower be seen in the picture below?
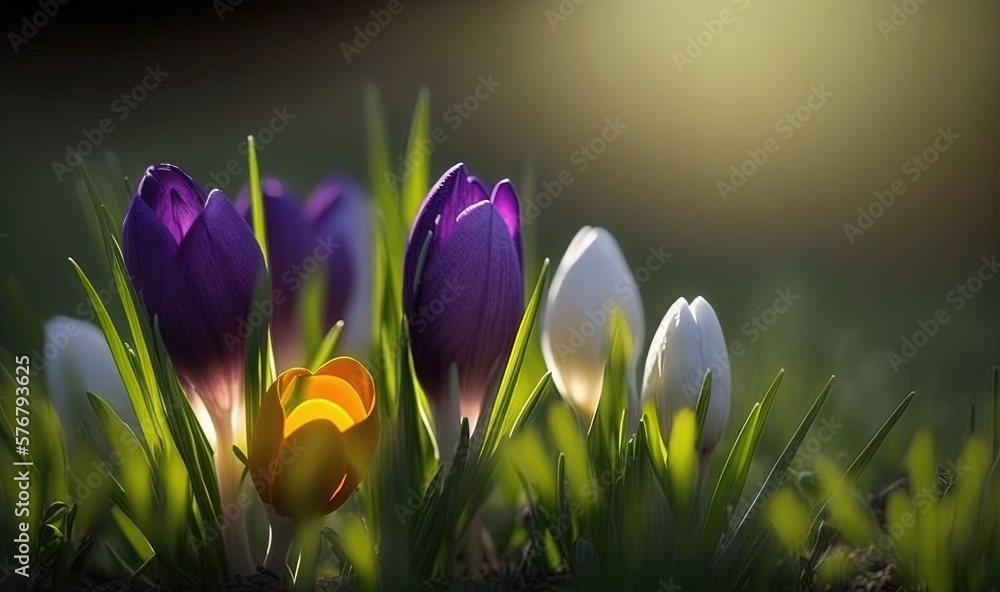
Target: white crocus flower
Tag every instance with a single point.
(77, 361)
(688, 342)
(592, 282)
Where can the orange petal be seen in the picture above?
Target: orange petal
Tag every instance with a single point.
(361, 443)
(310, 470)
(269, 431)
(287, 383)
(357, 377)
(336, 390)
(318, 409)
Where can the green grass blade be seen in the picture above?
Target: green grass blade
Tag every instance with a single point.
(129, 378)
(655, 450)
(605, 436)
(859, 464)
(257, 373)
(743, 460)
(257, 199)
(851, 475)
(325, 350)
(746, 529)
(499, 417)
(737, 466)
(704, 397)
(544, 385)
(416, 181)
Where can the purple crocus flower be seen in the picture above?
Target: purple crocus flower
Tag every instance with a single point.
(194, 262)
(327, 236)
(463, 289)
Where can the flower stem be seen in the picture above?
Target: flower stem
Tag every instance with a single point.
(229, 471)
(309, 544)
(282, 535)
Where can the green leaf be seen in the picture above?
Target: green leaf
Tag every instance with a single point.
(704, 397)
(605, 438)
(563, 507)
(137, 542)
(257, 200)
(996, 412)
(258, 372)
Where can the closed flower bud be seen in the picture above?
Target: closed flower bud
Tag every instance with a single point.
(463, 289)
(689, 342)
(194, 262)
(326, 238)
(592, 282)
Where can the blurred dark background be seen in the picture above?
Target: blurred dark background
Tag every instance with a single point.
(697, 88)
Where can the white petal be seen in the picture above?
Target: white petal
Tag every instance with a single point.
(715, 357)
(671, 379)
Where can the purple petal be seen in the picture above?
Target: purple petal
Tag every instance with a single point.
(339, 206)
(220, 260)
(173, 196)
(469, 305)
(290, 243)
(478, 188)
(151, 258)
(338, 212)
(331, 197)
(505, 201)
(425, 224)
(269, 186)
(150, 255)
(463, 196)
